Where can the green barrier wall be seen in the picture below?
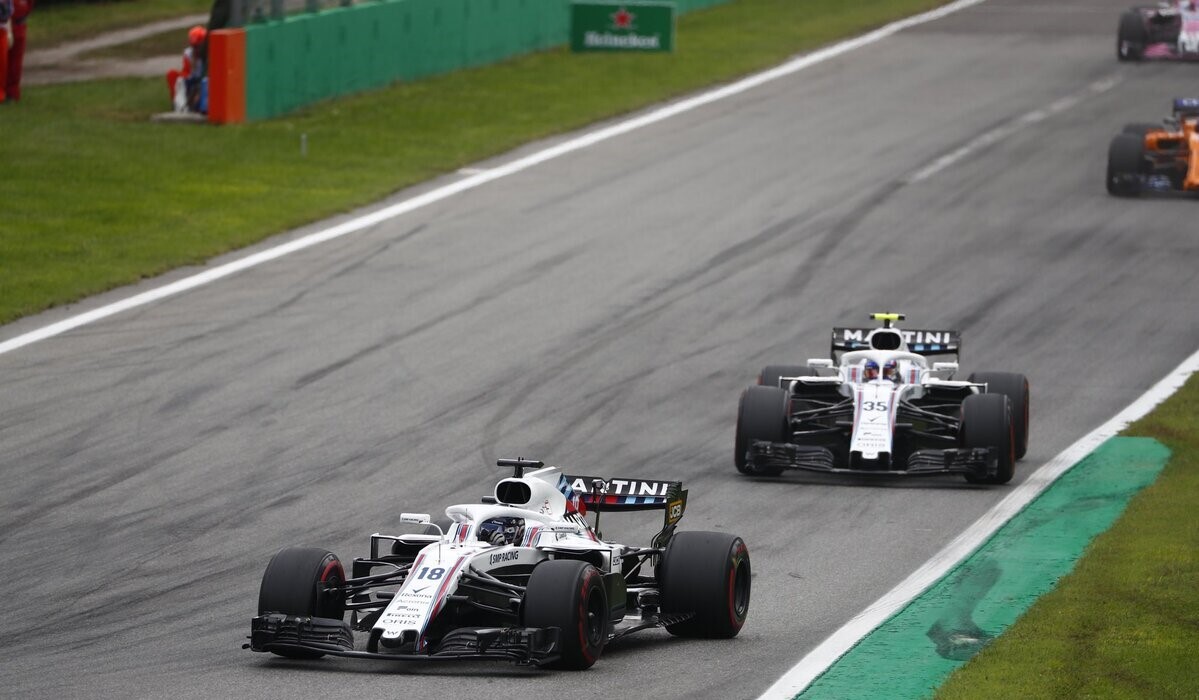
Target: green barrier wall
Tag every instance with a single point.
(306, 58)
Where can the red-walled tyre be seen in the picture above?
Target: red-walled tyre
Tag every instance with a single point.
(298, 581)
(569, 594)
(707, 575)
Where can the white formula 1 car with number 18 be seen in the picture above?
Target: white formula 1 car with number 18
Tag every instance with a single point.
(521, 576)
(879, 407)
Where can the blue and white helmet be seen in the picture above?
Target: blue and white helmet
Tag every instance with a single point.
(505, 530)
(869, 370)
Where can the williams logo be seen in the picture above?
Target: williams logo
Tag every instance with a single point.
(605, 26)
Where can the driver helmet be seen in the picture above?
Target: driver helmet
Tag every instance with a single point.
(501, 531)
(891, 370)
(869, 370)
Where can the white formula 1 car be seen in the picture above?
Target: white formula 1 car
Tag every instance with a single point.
(521, 576)
(879, 406)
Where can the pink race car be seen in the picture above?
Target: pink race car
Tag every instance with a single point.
(1169, 30)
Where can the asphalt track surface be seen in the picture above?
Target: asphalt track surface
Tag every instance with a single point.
(601, 311)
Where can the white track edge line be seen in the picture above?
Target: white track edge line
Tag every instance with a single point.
(817, 661)
(478, 179)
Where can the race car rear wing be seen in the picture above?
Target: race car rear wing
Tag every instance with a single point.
(624, 495)
(921, 342)
(615, 495)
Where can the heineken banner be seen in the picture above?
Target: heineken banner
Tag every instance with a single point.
(621, 26)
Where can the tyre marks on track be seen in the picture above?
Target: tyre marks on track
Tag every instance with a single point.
(988, 139)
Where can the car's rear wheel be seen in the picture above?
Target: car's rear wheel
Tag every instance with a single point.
(1125, 165)
(569, 594)
(705, 575)
(303, 582)
(1015, 388)
(761, 415)
(1131, 37)
(987, 422)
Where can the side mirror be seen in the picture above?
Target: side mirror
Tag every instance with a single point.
(415, 518)
(945, 366)
(820, 363)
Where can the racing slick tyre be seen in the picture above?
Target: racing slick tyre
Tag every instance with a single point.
(987, 422)
(761, 415)
(769, 376)
(296, 582)
(569, 594)
(1125, 165)
(1015, 388)
(1131, 37)
(1140, 129)
(707, 574)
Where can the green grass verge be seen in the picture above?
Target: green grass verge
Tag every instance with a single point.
(50, 25)
(1125, 623)
(104, 197)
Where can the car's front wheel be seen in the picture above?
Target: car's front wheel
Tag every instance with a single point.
(303, 582)
(761, 415)
(1125, 165)
(987, 422)
(569, 594)
(1015, 388)
(1131, 37)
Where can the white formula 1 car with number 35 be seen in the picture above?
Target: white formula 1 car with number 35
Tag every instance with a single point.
(880, 407)
(520, 576)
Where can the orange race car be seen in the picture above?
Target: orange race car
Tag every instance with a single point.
(1157, 157)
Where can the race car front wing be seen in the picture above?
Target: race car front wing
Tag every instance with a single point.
(976, 461)
(284, 633)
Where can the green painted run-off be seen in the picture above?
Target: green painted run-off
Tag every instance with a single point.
(912, 653)
(614, 26)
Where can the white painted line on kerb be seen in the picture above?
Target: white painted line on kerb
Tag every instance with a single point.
(1000, 133)
(818, 660)
(473, 181)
